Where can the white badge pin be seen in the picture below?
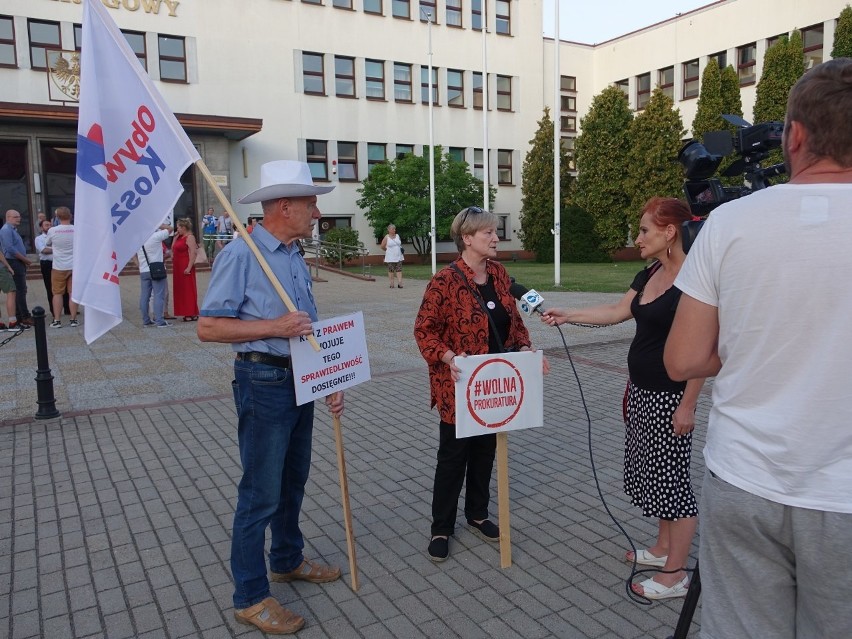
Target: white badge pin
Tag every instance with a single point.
(491, 306)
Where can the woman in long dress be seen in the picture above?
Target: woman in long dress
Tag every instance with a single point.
(185, 292)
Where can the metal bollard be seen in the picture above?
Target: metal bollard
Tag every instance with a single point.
(44, 378)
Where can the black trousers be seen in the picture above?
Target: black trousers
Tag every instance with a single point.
(471, 458)
(19, 276)
(46, 270)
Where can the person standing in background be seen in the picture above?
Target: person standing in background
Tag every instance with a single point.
(208, 230)
(185, 294)
(392, 246)
(61, 240)
(15, 253)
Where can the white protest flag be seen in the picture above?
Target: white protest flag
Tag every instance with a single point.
(131, 153)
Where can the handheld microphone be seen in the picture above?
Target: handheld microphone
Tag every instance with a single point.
(529, 300)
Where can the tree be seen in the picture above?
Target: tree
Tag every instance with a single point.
(843, 35)
(708, 113)
(537, 192)
(397, 192)
(732, 104)
(601, 152)
(655, 139)
(783, 65)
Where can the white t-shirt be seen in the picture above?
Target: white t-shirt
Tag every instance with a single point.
(61, 239)
(393, 245)
(40, 243)
(777, 265)
(154, 247)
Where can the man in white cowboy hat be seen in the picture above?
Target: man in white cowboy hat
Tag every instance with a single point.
(241, 308)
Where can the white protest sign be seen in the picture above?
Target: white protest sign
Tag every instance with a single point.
(499, 392)
(342, 361)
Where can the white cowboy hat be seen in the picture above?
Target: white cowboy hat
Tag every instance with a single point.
(284, 178)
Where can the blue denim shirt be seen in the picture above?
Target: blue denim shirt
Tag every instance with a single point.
(239, 288)
(11, 242)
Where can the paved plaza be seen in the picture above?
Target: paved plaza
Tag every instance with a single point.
(115, 518)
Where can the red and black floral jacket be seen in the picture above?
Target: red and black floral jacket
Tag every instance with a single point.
(450, 318)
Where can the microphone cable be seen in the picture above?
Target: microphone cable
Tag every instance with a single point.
(634, 571)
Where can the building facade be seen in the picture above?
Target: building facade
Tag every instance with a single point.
(344, 84)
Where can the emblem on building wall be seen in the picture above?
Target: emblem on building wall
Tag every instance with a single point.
(63, 75)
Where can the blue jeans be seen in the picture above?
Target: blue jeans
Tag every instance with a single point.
(158, 288)
(275, 450)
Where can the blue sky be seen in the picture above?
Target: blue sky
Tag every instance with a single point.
(599, 20)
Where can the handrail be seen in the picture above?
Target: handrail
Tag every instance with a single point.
(321, 249)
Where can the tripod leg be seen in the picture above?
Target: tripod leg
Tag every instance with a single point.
(689, 604)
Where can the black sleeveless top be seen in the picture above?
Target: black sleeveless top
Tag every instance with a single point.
(653, 323)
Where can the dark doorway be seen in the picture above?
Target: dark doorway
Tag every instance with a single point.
(14, 190)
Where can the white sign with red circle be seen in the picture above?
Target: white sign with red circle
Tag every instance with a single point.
(499, 392)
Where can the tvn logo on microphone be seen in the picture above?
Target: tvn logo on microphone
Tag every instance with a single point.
(530, 302)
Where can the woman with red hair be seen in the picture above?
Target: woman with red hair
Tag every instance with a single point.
(660, 413)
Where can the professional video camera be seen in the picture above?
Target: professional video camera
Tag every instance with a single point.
(703, 192)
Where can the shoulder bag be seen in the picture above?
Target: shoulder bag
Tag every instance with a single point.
(157, 269)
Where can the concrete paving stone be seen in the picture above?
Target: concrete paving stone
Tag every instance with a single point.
(26, 578)
(119, 625)
(207, 615)
(87, 622)
(77, 576)
(81, 597)
(24, 601)
(105, 579)
(55, 628)
(146, 618)
(169, 598)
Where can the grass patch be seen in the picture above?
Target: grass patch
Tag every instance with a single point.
(612, 277)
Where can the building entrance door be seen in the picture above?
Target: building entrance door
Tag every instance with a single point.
(59, 174)
(14, 189)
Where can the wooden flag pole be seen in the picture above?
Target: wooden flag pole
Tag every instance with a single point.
(347, 510)
(247, 237)
(503, 501)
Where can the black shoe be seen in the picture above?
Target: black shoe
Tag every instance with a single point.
(439, 549)
(487, 530)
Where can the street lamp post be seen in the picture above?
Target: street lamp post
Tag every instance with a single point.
(557, 148)
(432, 230)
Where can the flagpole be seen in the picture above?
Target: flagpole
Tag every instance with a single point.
(252, 246)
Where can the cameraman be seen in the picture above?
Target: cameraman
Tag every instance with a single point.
(766, 306)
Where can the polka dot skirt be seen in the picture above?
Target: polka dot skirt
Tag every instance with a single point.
(656, 463)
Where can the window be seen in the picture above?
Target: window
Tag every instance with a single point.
(401, 9)
(456, 153)
(8, 57)
(428, 11)
(347, 161)
(502, 225)
(643, 90)
(568, 142)
(455, 87)
(568, 123)
(404, 149)
(137, 43)
(424, 85)
(454, 13)
(504, 93)
(478, 170)
(569, 103)
(401, 82)
(691, 80)
(504, 17)
(375, 73)
(476, 15)
(78, 37)
(746, 63)
(344, 77)
(313, 1)
(477, 90)
(721, 58)
(313, 76)
(666, 81)
(342, 4)
(504, 167)
(373, 6)
(771, 41)
(317, 152)
(376, 154)
(43, 35)
(568, 83)
(172, 58)
(624, 85)
(812, 38)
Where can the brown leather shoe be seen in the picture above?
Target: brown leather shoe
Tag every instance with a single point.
(270, 617)
(308, 571)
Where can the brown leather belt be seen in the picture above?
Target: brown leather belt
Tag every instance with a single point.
(281, 361)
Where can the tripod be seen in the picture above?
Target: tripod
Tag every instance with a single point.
(692, 595)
